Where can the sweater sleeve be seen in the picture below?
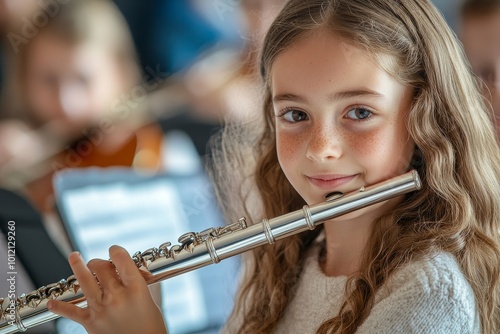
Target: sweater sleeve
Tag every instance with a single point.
(432, 298)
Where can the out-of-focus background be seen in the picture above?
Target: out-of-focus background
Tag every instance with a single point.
(106, 111)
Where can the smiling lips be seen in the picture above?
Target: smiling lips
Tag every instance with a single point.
(330, 182)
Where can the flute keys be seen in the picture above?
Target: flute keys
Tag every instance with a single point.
(2, 313)
(32, 299)
(163, 249)
(146, 257)
(72, 284)
(55, 290)
(138, 260)
(188, 241)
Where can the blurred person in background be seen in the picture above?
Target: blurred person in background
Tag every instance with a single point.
(74, 98)
(232, 88)
(169, 34)
(17, 214)
(480, 34)
(219, 80)
(172, 36)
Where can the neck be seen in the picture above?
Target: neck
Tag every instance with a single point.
(346, 238)
(345, 242)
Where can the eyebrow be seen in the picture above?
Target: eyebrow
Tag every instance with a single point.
(334, 96)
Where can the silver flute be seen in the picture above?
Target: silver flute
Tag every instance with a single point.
(198, 249)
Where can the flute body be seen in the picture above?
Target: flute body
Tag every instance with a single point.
(199, 249)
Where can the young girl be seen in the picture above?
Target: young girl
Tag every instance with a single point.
(355, 92)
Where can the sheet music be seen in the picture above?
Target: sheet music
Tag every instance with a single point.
(137, 217)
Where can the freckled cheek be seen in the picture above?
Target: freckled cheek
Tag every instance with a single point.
(384, 147)
(288, 146)
(365, 144)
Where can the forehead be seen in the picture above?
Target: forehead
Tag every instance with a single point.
(313, 49)
(47, 52)
(320, 60)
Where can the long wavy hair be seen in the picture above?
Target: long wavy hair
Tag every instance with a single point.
(458, 209)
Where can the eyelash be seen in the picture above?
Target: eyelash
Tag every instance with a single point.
(286, 110)
(366, 119)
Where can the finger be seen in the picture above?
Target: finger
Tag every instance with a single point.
(68, 311)
(125, 266)
(85, 278)
(106, 274)
(146, 274)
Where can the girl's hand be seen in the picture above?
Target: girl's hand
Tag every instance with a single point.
(119, 302)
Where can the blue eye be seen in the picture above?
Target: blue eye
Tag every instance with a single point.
(293, 115)
(359, 114)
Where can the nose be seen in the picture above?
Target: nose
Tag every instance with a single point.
(324, 144)
(72, 101)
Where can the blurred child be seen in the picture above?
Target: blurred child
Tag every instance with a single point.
(223, 83)
(480, 34)
(73, 95)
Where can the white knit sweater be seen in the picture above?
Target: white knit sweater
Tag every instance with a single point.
(430, 296)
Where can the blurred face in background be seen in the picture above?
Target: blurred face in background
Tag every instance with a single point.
(69, 85)
(481, 38)
(11, 12)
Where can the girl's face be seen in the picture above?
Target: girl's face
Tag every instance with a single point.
(70, 85)
(340, 118)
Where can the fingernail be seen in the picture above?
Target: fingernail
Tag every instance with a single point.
(72, 255)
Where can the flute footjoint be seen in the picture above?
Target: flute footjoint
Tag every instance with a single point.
(199, 249)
